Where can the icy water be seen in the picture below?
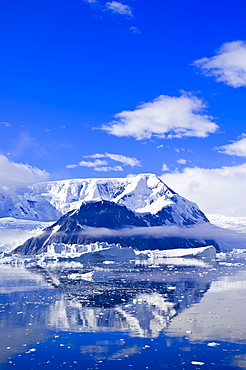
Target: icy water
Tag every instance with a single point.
(164, 314)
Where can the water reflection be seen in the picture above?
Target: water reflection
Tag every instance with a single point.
(139, 301)
(220, 316)
(71, 313)
(24, 307)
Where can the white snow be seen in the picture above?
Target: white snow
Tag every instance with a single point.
(115, 251)
(233, 223)
(20, 201)
(49, 200)
(213, 344)
(141, 193)
(208, 251)
(197, 363)
(54, 230)
(14, 232)
(98, 249)
(237, 224)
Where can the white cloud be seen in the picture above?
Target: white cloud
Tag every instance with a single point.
(101, 165)
(128, 161)
(6, 124)
(228, 65)
(237, 148)
(218, 190)
(95, 163)
(179, 150)
(107, 169)
(181, 161)
(165, 168)
(71, 165)
(134, 30)
(166, 117)
(123, 159)
(11, 171)
(96, 155)
(119, 8)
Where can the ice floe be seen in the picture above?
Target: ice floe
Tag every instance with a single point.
(102, 251)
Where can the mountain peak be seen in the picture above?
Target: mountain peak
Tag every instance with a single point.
(112, 223)
(137, 201)
(142, 193)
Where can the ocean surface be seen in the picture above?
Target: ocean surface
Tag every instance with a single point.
(158, 314)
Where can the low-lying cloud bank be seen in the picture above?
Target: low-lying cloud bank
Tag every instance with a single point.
(19, 172)
(216, 190)
(201, 231)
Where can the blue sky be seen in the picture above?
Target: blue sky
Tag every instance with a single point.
(99, 88)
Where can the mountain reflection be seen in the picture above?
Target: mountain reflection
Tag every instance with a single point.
(73, 313)
(137, 300)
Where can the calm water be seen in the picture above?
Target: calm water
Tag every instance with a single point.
(164, 314)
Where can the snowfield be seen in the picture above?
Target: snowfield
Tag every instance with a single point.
(226, 222)
(13, 231)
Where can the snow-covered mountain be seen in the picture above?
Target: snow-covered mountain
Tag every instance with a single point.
(137, 201)
(144, 193)
(232, 223)
(14, 232)
(22, 202)
(112, 223)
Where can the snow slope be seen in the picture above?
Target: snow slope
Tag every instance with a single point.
(21, 202)
(85, 225)
(141, 193)
(47, 201)
(14, 232)
(232, 223)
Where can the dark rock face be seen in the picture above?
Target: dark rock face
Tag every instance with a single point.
(81, 227)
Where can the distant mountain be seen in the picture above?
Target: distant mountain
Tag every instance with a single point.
(22, 202)
(144, 193)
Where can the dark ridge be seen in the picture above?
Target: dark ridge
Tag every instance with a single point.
(71, 229)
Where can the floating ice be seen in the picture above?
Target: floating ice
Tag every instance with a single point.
(101, 250)
(199, 363)
(213, 344)
(106, 253)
